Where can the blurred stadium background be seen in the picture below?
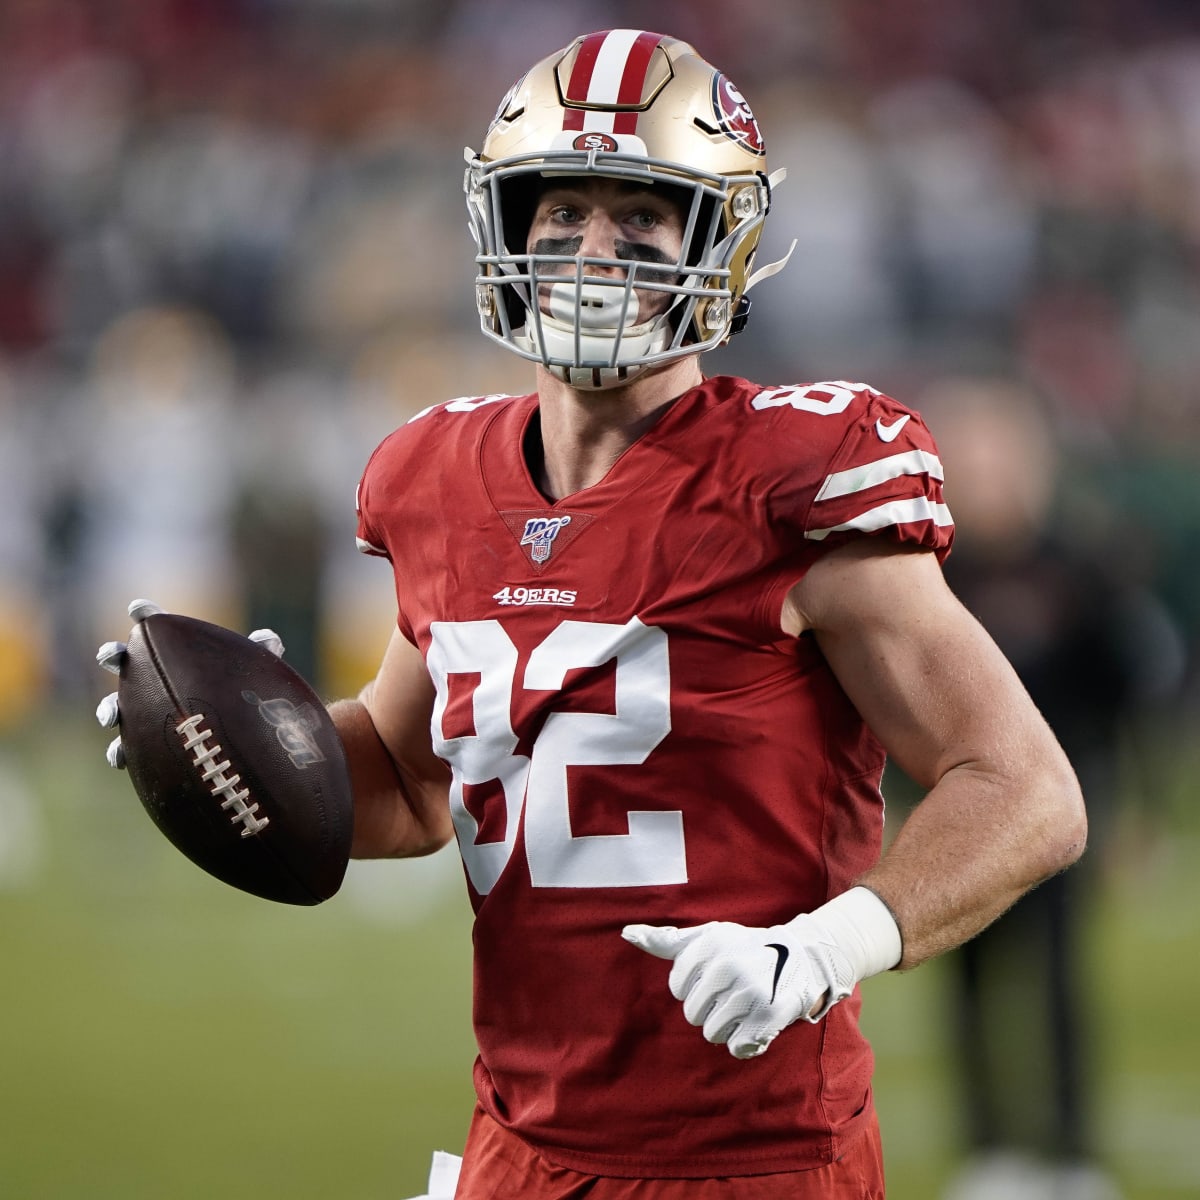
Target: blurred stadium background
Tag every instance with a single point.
(233, 256)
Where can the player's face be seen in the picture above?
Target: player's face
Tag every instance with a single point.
(610, 219)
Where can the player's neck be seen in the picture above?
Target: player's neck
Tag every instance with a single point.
(584, 432)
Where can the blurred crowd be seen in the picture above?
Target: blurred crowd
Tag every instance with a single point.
(233, 255)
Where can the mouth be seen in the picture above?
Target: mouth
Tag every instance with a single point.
(606, 292)
(601, 303)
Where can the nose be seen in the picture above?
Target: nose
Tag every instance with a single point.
(599, 236)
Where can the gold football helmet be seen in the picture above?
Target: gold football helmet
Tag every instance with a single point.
(634, 106)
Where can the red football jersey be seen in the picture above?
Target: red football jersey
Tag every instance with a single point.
(634, 739)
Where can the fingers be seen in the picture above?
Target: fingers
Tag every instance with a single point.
(724, 1017)
(733, 1013)
(109, 656)
(112, 654)
(712, 982)
(660, 940)
(115, 754)
(697, 979)
(731, 981)
(107, 712)
(740, 1019)
(745, 1045)
(268, 639)
(139, 610)
(672, 944)
(663, 941)
(688, 952)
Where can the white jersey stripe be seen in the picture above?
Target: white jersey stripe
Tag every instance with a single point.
(869, 475)
(895, 512)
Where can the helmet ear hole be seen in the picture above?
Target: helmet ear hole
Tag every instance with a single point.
(703, 234)
(518, 200)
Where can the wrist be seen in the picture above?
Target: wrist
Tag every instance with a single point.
(863, 928)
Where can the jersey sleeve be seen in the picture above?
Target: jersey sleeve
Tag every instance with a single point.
(884, 480)
(386, 492)
(370, 537)
(399, 480)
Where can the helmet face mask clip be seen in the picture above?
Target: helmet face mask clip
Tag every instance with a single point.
(580, 316)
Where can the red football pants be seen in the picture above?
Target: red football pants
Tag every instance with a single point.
(498, 1165)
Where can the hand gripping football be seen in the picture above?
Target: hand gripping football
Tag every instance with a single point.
(235, 759)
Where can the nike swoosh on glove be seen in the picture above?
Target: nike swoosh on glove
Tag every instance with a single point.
(746, 984)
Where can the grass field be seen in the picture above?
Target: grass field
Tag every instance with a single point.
(163, 1035)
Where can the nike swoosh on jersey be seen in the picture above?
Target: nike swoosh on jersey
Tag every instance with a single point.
(887, 433)
(781, 953)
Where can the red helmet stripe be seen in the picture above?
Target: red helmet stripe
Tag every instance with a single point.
(610, 69)
(633, 80)
(581, 78)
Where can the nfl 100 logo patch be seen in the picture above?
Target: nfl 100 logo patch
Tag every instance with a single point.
(539, 535)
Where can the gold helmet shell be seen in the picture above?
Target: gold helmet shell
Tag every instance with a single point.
(632, 105)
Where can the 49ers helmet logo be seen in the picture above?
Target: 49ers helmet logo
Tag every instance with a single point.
(595, 141)
(734, 116)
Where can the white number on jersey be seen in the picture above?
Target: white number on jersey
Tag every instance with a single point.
(652, 852)
(464, 404)
(825, 399)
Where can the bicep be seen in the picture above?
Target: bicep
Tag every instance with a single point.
(923, 673)
(1002, 808)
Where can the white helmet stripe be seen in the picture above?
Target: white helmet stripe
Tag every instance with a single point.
(611, 65)
(610, 70)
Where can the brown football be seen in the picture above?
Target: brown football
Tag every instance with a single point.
(235, 758)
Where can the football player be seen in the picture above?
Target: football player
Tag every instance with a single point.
(664, 629)
(656, 634)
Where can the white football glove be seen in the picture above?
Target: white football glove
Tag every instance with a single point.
(110, 654)
(745, 985)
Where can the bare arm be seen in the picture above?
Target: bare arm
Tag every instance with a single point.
(1003, 809)
(401, 787)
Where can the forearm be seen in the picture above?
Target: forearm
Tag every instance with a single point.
(395, 815)
(973, 847)
(1003, 809)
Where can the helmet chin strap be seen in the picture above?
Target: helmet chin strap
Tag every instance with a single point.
(584, 323)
